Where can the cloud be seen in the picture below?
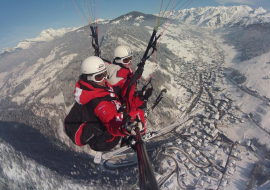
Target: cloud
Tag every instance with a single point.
(223, 2)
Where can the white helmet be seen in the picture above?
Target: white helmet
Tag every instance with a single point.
(122, 52)
(92, 65)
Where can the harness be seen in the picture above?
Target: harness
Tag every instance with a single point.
(84, 127)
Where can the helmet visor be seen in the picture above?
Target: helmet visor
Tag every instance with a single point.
(100, 76)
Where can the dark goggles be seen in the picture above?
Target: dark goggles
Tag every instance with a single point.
(100, 76)
(127, 60)
(123, 60)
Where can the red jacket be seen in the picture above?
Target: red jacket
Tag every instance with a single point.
(108, 111)
(119, 78)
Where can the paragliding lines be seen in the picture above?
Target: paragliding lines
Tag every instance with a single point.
(97, 13)
(158, 23)
(81, 16)
(89, 11)
(190, 1)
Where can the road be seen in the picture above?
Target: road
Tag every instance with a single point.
(244, 90)
(176, 169)
(191, 160)
(225, 166)
(254, 122)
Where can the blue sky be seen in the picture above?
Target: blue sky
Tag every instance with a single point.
(22, 19)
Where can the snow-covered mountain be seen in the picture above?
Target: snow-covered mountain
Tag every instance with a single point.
(215, 17)
(134, 18)
(45, 36)
(36, 92)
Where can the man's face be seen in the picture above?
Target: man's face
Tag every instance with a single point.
(101, 83)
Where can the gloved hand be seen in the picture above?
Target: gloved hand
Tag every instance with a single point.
(147, 93)
(129, 128)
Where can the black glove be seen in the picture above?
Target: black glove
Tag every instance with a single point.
(129, 128)
(147, 93)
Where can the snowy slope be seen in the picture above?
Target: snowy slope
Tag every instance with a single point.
(257, 71)
(44, 36)
(45, 87)
(216, 17)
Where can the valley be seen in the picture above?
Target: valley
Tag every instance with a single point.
(224, 145)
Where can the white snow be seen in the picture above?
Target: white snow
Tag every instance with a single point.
(149, 67)
(27, 171)
(215, 17)
(45, 35)
(194, 50)
(256, 70)
(2, 78)
(140, 18)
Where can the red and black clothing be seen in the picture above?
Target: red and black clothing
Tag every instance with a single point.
(119, 77)
(96, 117)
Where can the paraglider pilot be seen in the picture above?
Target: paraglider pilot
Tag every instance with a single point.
(97, 117)
(119, 76)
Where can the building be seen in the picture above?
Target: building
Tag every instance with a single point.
(234, 154)
(189, 165)
(195, 173)
(214, 132)
(188, 151)
(253, 147)
(232, 162)
(215, 174)
(198, 143)
(230, 170)
(186, 182)
(182, 157)
(215, 116)
(200, 183)
(215, 157)
(222, 164)
(212, 126)
(217, 143)
(206, 170)
(171, 163)
(196, 152)
(178, 141)
(190, 139)
(182, 172)
(203, 159)
(187, 144)
(157, 176)
(207, 179)
(223, 183)
(169, 185)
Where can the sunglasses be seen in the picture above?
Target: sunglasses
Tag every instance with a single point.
(99, 77)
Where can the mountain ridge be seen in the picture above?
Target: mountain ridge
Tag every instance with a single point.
(216, 17)
(212, 17)
(37, 93)
(45, 36)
